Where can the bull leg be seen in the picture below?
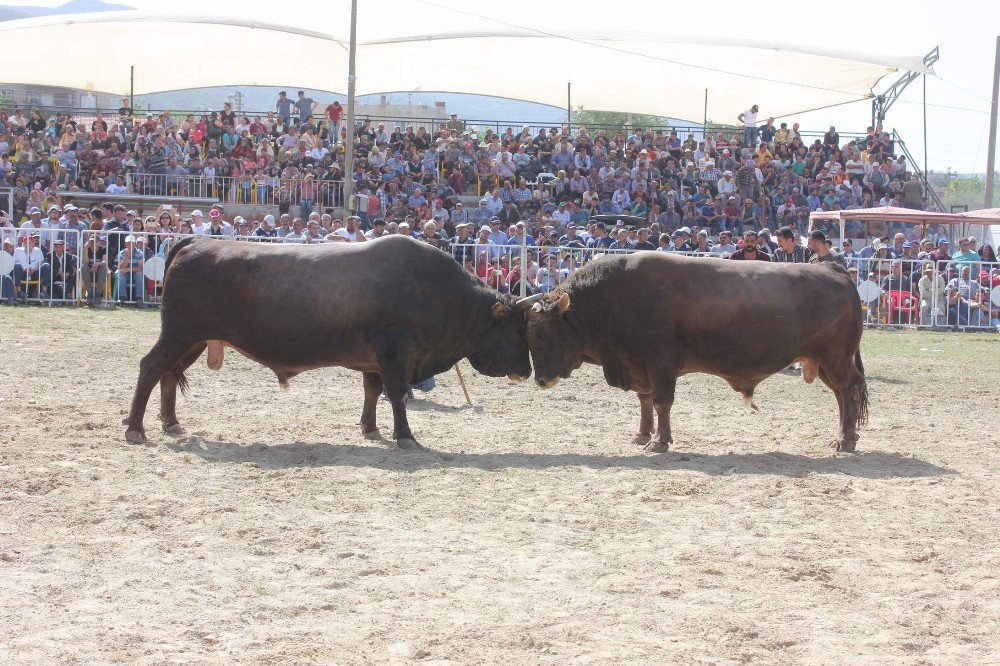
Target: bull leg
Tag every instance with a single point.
(664, 383)
(848, 383)
(392, 356)
(645, 420)
(168, 391)
(159, 360)
(373, 389)
(836, 392)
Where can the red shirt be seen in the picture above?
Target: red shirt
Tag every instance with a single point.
(335, 113)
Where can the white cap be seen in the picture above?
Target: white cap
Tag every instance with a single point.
(238, 220)
(197, 213)
(269, 219)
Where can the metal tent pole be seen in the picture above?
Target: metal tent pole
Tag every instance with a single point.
(991, 155)
(927, 176)
(569, 106)
(349, 141)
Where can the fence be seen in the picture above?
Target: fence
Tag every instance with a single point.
(107, 267)
(958, 294)
(252, 189)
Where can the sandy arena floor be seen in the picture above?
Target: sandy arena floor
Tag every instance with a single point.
(532, 533)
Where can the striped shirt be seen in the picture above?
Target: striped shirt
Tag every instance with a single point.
(800, 255)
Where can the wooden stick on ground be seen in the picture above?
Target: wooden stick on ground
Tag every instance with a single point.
(461, 381)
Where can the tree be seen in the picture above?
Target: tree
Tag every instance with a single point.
(612, 120)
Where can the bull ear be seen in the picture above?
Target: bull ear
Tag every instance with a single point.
(563, 303)
(500, 310)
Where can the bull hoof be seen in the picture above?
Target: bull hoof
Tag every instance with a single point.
(135, 437)
(174, 429)
(845, 445)
(658, 446)
(641, 439)
(374, 435)
(409, 444)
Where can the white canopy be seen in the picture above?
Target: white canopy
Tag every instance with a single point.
(610, 69)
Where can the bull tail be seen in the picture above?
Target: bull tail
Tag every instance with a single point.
(862, 390)
(174, 249)
(182, 383)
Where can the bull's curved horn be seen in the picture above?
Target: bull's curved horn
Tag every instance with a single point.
(525, 303)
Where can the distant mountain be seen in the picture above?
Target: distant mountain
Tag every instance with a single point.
(10, 13)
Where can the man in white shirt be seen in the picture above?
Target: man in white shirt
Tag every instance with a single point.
(117, 187)
(197, 222)
(749, 120)
(351, 233)
(378, 230)
(29, 264)
(563, 216)
(725, 244)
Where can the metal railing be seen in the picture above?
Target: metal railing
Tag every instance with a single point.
(104, 267)
(251, 189)
(954, 294)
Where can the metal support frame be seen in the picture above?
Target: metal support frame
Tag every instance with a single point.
(349, 139)
(991, 155)
(883, 102)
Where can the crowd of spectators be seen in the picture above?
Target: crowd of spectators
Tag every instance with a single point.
(766, 175)
(719, 196)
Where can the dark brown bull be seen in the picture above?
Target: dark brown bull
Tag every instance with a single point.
(395, 309)
(651, 317)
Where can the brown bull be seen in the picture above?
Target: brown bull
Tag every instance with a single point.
(650, 317)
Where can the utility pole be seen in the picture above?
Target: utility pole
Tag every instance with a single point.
(349, 142)
(991, 155)
(569, 106)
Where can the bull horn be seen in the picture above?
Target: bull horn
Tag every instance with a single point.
(525, 303)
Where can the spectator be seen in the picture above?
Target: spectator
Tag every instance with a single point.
(305, 107)
(677, 243)
(749, 120)
(789, 249)
(725, 245)
(749, 250)
(335, 115)
(30, 266)
(965, 306)
(217, 226)
(550, 275)
(965, 256)
(129, 279)
(897, 279)
(61, 278)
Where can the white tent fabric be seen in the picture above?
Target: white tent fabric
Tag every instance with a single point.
(610, 70)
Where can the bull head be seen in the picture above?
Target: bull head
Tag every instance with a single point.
(533, 302)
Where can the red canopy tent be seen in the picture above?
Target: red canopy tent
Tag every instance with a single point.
(989, 221)
(883, 215)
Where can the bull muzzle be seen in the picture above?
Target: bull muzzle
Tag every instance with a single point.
(516, 379)
(547, 383)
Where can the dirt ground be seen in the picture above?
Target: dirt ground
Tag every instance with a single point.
(531, 533)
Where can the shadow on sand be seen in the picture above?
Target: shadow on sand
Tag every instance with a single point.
(866, 465)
